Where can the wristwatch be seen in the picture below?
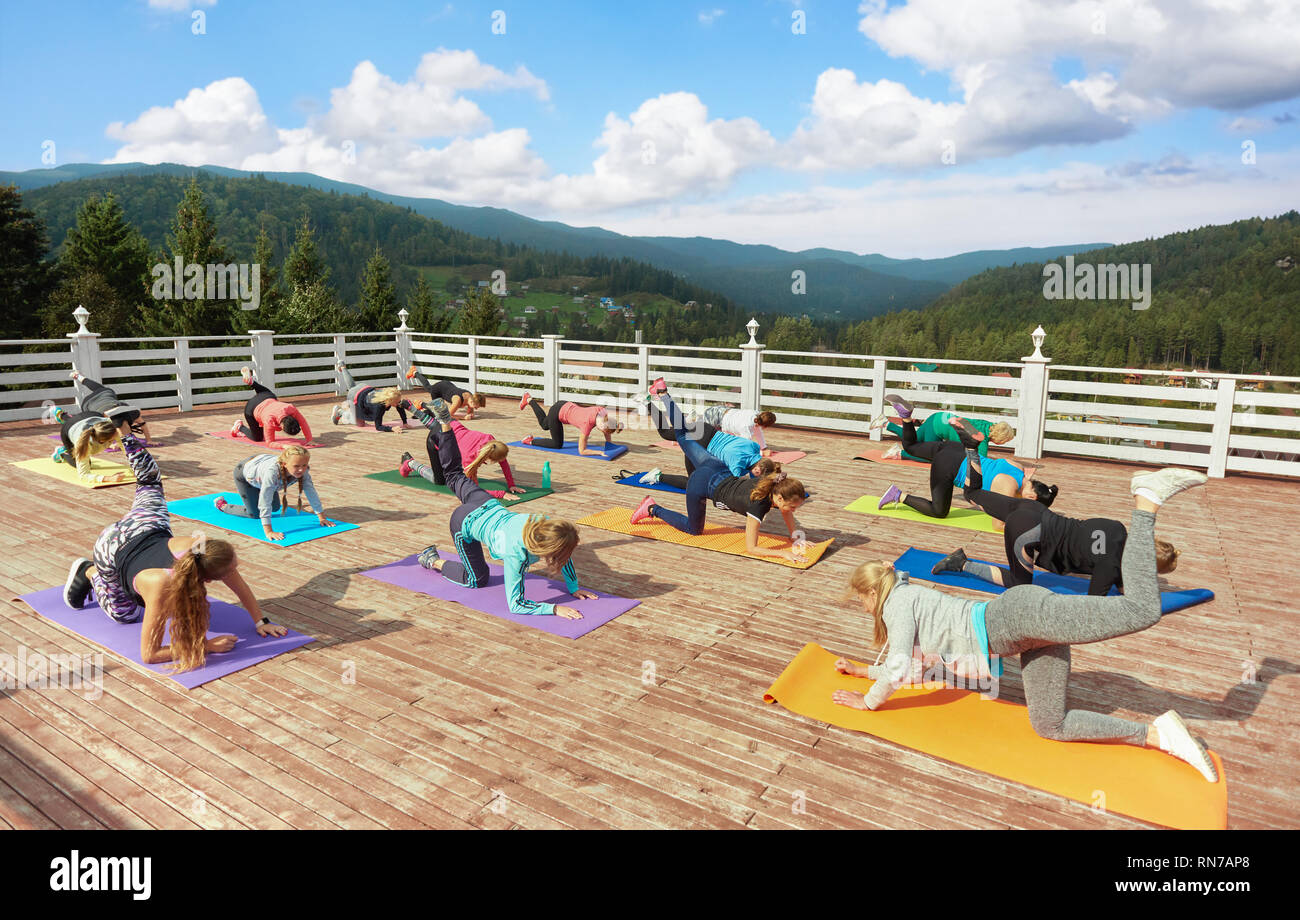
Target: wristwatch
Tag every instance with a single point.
(265, 621)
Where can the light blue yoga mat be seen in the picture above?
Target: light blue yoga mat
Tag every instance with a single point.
(571, 448)
(918, 562)
(297, 526)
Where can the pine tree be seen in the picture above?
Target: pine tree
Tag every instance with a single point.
(267, 315)
(26, 276)
(304, 265)
(102, 244)
(422, 307)
(481, 313)
(378, 298)
(192, 240)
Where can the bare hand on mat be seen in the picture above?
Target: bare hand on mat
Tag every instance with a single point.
(271, 629)
(220, 643)
(844, 666)
(850, 698)
(324, 521)
(509, 497)
(274, 535)
(567, 612)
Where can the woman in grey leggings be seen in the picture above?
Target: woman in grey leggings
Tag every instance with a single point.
(970, 637)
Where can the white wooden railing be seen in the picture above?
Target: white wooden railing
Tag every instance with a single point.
(1219, 422)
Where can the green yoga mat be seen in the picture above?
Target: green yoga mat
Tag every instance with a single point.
(419, 482)
(965, 518)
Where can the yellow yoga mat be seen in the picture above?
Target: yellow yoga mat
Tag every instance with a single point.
(715, 537)
(67, 473)
(996, 737)
(965, 518)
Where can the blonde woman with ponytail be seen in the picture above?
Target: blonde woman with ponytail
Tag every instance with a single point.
(263, 481)
(518, 540)
(141, 572)
(368, 404)
(85, 434)
(967, 639)
(477, 444)
(712, 481)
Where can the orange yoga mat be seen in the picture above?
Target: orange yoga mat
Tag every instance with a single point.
(729, 540)
(996, 737)
(777, 456)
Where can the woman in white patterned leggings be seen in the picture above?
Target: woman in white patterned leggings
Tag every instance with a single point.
(139, 564)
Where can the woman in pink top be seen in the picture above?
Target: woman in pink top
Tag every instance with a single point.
(477, 444)
(264, 415)
(584, 418)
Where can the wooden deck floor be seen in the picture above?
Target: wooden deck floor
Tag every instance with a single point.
(459, 720)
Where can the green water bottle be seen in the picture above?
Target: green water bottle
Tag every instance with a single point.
(546, 474)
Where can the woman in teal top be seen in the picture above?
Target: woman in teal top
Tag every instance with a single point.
(518, 540)
(941, 426)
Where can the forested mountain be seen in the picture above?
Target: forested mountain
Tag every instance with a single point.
(858, 286)
(1225, 297)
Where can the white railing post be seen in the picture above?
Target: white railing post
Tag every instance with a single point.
(85, 349)
(1032, 422)
(551, 368)
(642, 377)
(878, 370)
(403, 348)
(751, 370)
(473, 363)
(184, 379)
(1221, 433)
(263, 348)
(340, 357)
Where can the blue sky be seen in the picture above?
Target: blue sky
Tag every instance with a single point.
(1068, 120)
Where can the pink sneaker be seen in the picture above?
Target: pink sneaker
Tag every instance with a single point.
(658, 387)
(220, 504)
(643, 510)
(524, 401)
(235, 431)
(527, 440)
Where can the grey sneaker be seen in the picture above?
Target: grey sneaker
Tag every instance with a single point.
(440, 411)
(901, 405)
(1162, 485)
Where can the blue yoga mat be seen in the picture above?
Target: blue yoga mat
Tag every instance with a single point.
(635, 481)
(918, 562)
(297, 526)
(571, 448)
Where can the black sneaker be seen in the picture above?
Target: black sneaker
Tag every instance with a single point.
(953, 562)
(406, 458)
(77, 587)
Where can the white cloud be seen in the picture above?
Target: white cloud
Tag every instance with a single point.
(708, 17)
(221, 123)
(1225, 54)
(960, 211)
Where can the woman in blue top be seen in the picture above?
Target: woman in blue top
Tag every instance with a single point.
(518, 540)
(740, 455)
(949, 463)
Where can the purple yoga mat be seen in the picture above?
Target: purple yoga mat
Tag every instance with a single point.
(491, 598)
(123, 639)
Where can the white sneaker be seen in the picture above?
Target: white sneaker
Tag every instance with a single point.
(1162, 485)
(651, 477)
(894, 452)
(1176, 739)
(336, 414)
(877, 423)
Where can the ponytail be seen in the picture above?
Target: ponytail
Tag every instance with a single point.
(493, 450)
(779, 484)
(185, 601)
(101, 433)
(881, 577)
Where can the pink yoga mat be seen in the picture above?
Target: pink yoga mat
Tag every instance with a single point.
(878, 456)
(491, 599)
(277, 444)
(123, 639)
(777, 456)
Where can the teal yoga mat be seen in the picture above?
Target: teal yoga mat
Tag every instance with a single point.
(297, 526)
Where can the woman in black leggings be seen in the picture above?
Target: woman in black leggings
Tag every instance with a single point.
(101, 400)
(1037, 536)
